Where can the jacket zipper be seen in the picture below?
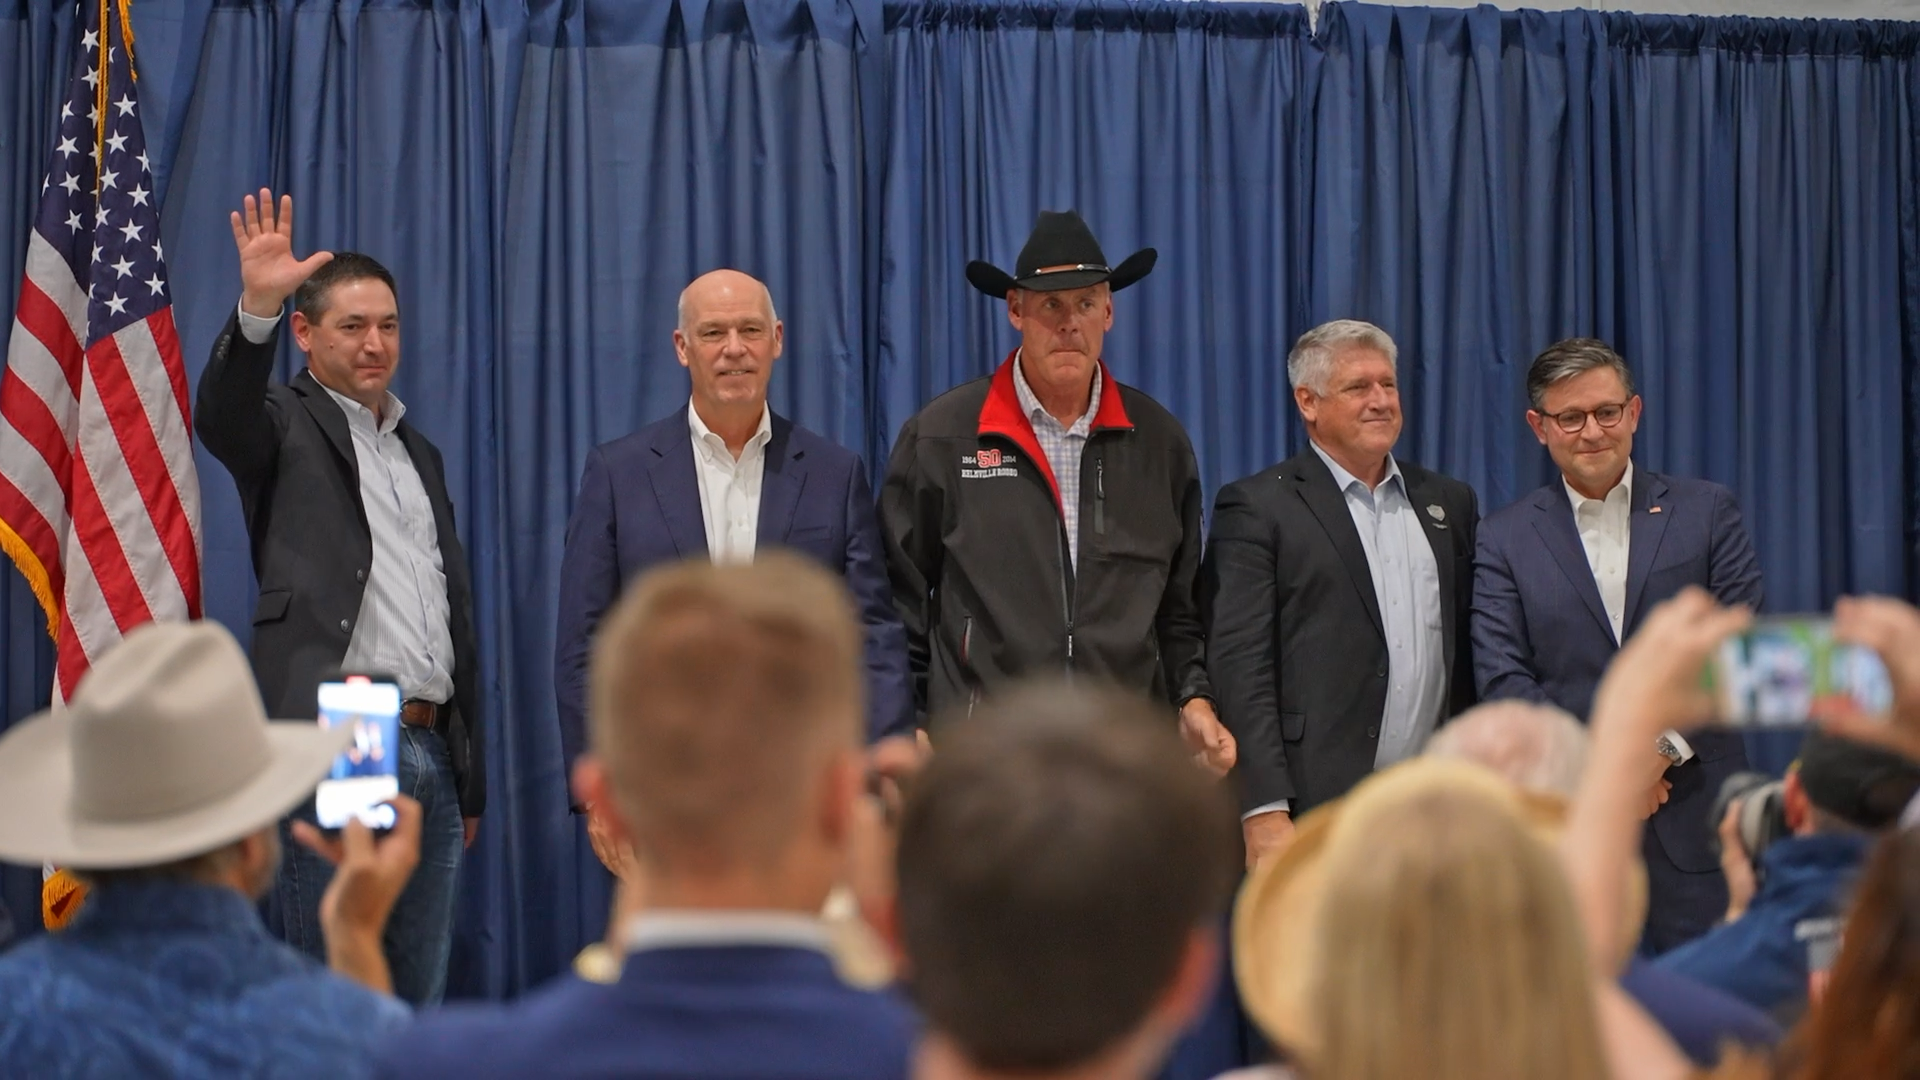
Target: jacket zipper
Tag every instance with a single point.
(1100, 496)
(1066, 592)
(966, 665)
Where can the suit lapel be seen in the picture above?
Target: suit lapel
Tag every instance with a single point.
(1329, 507)
(435, 485)
(327, 413)
(1440, 532)
(677, 489)
(1648, 526)
(1553, 520)
(780, 485)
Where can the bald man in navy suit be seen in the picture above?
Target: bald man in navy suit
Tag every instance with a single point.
(723, 479)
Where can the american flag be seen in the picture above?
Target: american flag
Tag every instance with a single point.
(99, 501)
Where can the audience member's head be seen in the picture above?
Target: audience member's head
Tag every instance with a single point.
(162, 768)
(1536, 748)
(1842, 786)
(1421, 927)
(725, 710)
(1868, 1021)
(1061, 864)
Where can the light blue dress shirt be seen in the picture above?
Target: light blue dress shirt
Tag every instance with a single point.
(1406, 581)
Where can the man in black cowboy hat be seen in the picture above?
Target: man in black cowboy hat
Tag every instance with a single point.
(1047, 518)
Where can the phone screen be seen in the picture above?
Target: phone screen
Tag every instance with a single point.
(1771, 675)
(367, 773)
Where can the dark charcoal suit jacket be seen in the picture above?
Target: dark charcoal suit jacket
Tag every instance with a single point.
(1295, 644)
(291, 455)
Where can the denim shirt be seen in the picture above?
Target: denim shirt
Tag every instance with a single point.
(166, 979)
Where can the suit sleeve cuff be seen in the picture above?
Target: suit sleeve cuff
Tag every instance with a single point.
(1278, 805)
(1680, 744)
(256, 329)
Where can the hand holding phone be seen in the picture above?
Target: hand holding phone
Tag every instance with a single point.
(1784, 669)
(366, 775)
(1891, 628)
(369, 874)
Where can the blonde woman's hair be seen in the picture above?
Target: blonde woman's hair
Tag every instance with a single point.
(1449, 947)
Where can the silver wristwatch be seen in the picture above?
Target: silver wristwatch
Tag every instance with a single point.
(1667, 750)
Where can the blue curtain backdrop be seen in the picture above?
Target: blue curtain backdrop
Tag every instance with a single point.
(1732, 202)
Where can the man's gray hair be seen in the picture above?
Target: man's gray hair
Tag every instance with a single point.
(680, 308)
(1562, 360)
(1537, 748)
(1311, 362)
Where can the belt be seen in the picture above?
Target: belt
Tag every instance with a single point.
(417, 713)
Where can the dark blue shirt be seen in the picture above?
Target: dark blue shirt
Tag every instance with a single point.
(177, 980)
(1698, 1017)
(697, 1012)
(1758, 957)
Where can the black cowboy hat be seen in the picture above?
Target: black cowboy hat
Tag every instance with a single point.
(1060, 254)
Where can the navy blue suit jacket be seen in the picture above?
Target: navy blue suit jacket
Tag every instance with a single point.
(726, 1012)
(1540, 630)
(639, 505)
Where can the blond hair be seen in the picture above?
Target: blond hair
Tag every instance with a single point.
(1449, 947)
(718, 696)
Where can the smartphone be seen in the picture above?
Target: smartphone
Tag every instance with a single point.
(1771, 675)
(367, 773)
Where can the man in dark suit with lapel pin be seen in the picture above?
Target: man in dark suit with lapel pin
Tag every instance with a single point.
(722, 479)
(1565, 574)
(357, 558)
(1338, 586)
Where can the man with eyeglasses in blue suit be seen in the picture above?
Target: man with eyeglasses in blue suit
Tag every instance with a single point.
(1565, 574)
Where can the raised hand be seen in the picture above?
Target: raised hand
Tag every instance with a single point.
(268, 271)
(1891, 628)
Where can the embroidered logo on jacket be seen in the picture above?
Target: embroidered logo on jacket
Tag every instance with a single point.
(987, 463)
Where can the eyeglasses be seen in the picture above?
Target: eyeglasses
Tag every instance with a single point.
(1574, 421)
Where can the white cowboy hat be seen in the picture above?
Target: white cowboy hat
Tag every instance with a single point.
(165, 752)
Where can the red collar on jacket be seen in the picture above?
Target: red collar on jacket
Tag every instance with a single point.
(1000, 414)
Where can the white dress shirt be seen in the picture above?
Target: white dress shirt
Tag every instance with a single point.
(402, 629)
(1606, 532)
(730, 487)
(691, 929)
(1406, 582)
(1605, 526)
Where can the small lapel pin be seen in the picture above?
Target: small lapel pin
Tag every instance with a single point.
(1436, 512)
(1653, 509)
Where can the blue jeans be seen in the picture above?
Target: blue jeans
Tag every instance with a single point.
(419, 933)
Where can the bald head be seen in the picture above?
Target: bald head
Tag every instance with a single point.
(728, 288)
(1534, 747)
(728, 340)
(724, 699)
